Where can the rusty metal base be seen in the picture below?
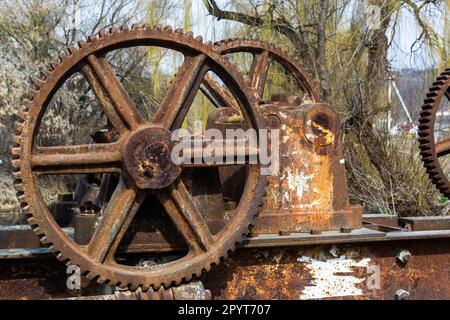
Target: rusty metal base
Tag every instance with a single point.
(342, 271)
(390, 258)
(308, 221)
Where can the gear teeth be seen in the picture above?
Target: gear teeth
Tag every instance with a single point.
(60, 257)
(32, 93)
(72, 50)
(17, 139)
(82, 44)
(43, 75)
(17, 175)
(22, 198)
(16, 151)
(100, 279)
(62, 57)
(15, 163)
(167, 29)
(38, 230)
(90, 276)
(27, 103)
(18, 127)
(157, 28)
(52, 65)
(123, 28)
(113, 30)
(133, 287)
(92, 38)
(199, 39)
(102, 33)
(146, 26)
(135, 26)
(179, 31)
(32, 221)
(190, 34)
(18, 185)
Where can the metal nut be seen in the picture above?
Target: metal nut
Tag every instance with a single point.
(403, 256)
(401, 294)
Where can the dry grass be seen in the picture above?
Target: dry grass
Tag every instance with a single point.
(409, 191)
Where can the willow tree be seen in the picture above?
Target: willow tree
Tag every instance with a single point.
(345, 44)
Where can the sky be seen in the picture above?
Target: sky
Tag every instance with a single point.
(399, 54)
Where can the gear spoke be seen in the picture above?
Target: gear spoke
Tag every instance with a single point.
(258, 72)
(216, 94)
(121, 209)
(104, 100)
(124, 107)
(87, 158)
(229, 152)
(184, 214)
(182, 91)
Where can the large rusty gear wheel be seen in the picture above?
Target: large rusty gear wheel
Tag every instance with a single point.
(263, 54)
(96, 259)
(431, 150)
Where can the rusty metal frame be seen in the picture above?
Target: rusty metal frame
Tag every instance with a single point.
(272, 259)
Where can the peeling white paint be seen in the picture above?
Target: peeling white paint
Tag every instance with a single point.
(326, 283)
(298, 182)
(283, 115)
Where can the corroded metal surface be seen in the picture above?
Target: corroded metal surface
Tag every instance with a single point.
(309, 194)
(430, 149)
(369, 271)
(142, 174)
(298, 266)
(47, 279)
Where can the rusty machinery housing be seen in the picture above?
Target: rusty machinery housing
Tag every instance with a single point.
(155, 229)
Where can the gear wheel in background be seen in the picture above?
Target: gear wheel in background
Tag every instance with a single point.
(263, 54)
(430, 149)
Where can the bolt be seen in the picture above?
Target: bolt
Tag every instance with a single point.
(273, 121)
(315, 231)
(146, 168)
(148, 172)
(283, 233)
(346, 230)
(401, 294)
(403, 256)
